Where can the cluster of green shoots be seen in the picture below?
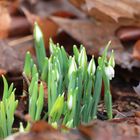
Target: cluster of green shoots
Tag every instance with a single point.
(8, 106)
(73, 84)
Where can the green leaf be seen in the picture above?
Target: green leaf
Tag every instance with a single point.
(108, 103)
(65, 60)
(44, 74)
(40, 102)
(57, 108)
(31, 87)
(107, 96)
(27, 65)
(76, 53)
(5, 91)
(3, 119)
(34, 70)
(10, 89)
(97, 90)
(33, 100)
(10, 109)
(104, 55)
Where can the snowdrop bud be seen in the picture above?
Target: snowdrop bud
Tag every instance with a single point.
(91, 67)
(52, 46)
(39, 46)
(37, 32)
(83, 58)
(111, 60)
(70, 101)
(109, 72)
(72, 67)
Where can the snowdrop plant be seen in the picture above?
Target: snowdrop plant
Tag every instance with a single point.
(8, 106)
(74, 84)
(35, 89)
(107, 68)
(36, 98)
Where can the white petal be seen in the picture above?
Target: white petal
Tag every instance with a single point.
(70, 102)
(110, 72)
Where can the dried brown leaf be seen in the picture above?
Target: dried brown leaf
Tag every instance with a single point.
(12, 57)
(12, 26)
(136, 50)
(2, 72)
(46, 8)
(113, 9)
(93, 35)
(5, 21)
(42, 126)
(137, 114)
(128, 33)
(118, 129)
(110, 10)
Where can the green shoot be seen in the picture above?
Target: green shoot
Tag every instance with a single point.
(7, 108)
(36, 98)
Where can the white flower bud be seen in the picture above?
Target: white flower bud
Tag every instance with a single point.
(72, 67)
(37, 32)
(70, 101)
(109, 71)
(91, 67)
(82, 58)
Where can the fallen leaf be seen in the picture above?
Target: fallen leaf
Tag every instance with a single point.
(47, 8)
(125, 59)
(128, 33)
(136, 50)
(13, 6)
(42, 126)
(5, 21)
(137, 113)
(86, 131)
(93, 35)
(113, 9)
(64, 14)
(78, 3)
(110, 10)
(12, 58)
(19, 24)
(137, 89)
(116, 129)
(2, 72)
(9, 24)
